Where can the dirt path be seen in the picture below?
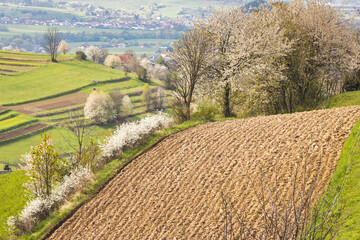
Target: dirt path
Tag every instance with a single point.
(2, 109)
(50, 104)
(174, 190)
(21, 131)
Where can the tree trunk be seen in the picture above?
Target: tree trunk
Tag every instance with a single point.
(188, 114)
(226, 110)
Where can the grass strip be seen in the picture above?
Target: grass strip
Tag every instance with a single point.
(21, 64)
(19, 125)
(351, 194)
(66, 92)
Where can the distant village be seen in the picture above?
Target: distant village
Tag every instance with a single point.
(89, 16)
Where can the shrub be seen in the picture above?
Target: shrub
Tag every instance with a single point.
(7, 168)
(80, 55)
(99, 107)
(43, 166)
(146, 96)
(158, 99)
(142, 74)
(127, 106)
(130, 134)
(117, 98)
(40, 207)
(205, 110)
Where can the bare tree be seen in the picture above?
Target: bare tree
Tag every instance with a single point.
(80, 139)
(190, 56)
(51, 42)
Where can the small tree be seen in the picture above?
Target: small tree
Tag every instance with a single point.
(52, 40)
(158, 99)
(43, 167)
(190, 56)
(117, 98)
(160, 60)
(142, 74)
(99, 107)
(96, 54)
(146, 96)
(63, 47)
(112, 61)
(127, 106)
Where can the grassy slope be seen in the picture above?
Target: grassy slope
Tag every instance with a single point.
(343, 100)
(351, 227)
(53, 79)
(11, 191)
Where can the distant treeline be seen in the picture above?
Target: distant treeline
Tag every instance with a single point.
(32, 42)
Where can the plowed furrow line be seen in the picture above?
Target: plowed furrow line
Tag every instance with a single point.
(174, 190)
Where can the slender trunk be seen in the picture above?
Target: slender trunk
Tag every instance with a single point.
(226, 110)
(188, 114)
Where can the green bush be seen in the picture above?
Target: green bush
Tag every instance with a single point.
(80, 55)
(206, 110)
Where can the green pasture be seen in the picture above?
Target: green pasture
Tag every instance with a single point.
(12, 197)
(53, 79)
(343, 100)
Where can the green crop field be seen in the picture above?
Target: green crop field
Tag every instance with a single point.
(53, 79)
(13, 120)
(20, 56)
(11, 191)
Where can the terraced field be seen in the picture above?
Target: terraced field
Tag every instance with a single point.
(174, 190)
(10, 120)
(12, 63)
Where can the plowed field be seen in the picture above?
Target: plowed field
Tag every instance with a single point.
(174, 190)
(50, 104)
(22, 131)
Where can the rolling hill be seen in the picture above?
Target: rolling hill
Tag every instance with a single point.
(174, 189)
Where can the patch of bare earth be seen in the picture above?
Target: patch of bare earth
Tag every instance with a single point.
(50, 104)
(174, 190)
(22, 131)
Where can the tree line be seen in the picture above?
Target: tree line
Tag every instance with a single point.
(280, 58)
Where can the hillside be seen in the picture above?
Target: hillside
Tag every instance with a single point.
(174, 190)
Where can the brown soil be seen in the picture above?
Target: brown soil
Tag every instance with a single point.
(21, 131)
(174, 190)
(2, 109)
(50, 104)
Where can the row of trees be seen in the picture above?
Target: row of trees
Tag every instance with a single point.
(280, 58)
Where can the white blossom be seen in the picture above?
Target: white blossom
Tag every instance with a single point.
(130, 134)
